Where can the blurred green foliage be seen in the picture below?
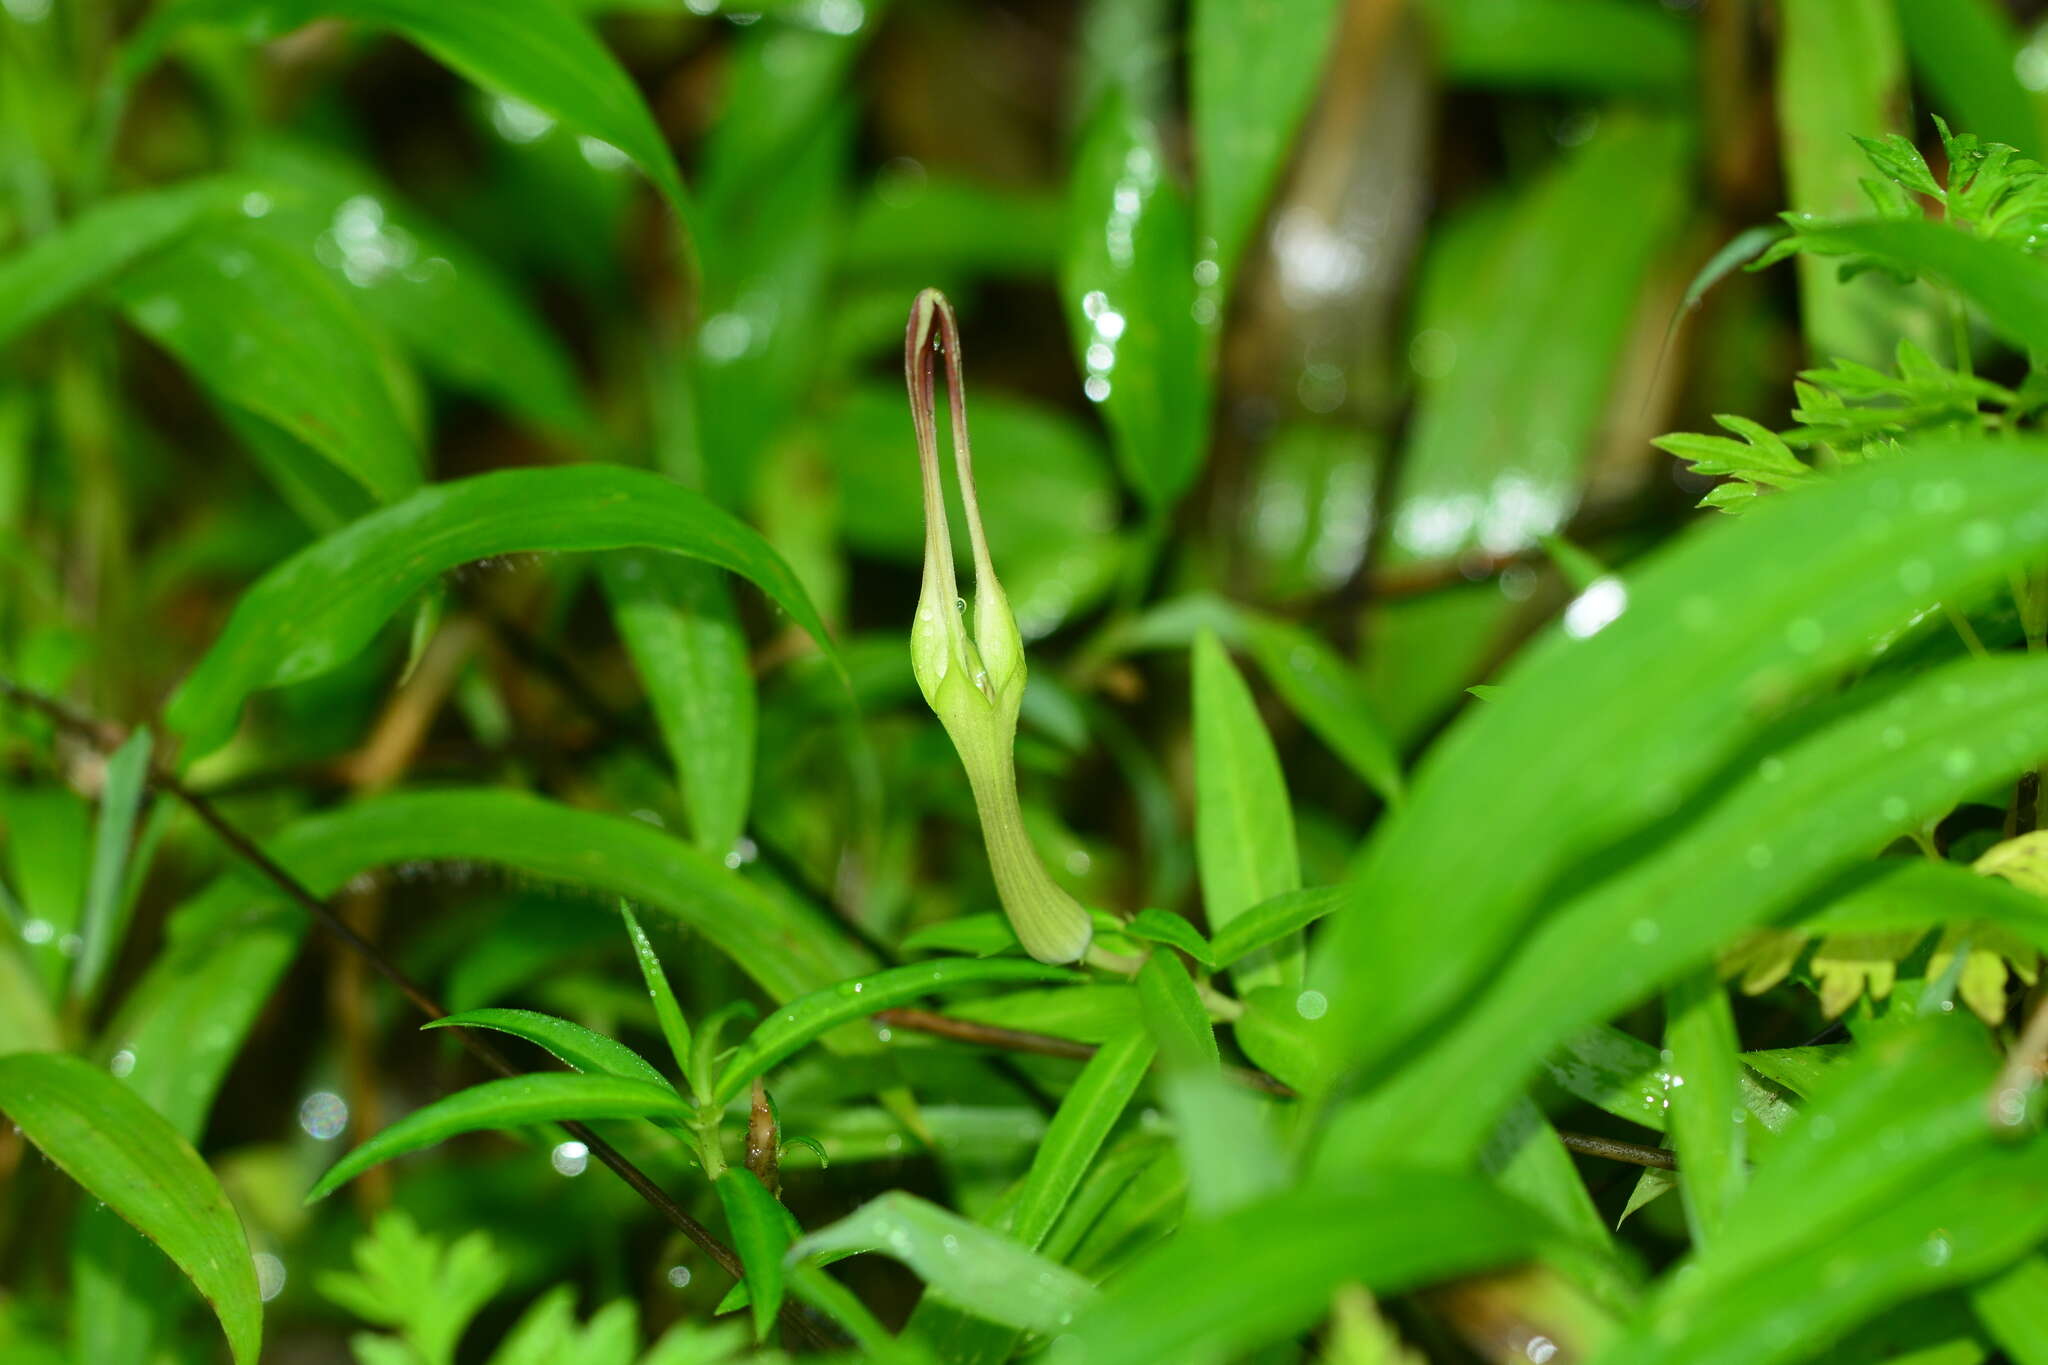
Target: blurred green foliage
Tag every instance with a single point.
(455, 490)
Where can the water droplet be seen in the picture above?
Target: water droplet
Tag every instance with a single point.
(1805, 635)
(255, 204)
(1311, 1004)
(121, 1063)
(1936, 1251)
(1645, 931)
(1916, 575)
(1596, 608)
(679, 1277)
(1540, 1350)
(1895, 809)
(569, 1158)
(1957, 763)
(323, 1114)
(269, 1276)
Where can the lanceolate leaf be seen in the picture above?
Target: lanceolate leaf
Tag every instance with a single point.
(541, 1098)
(1708, 1122)
(125, 1155)
(1267, 1271)
(1577, 750)
(1078, 1129)
(97, 244)
(536, 50)
(1892, 1179)
(1273, 919)
(760, 1233)
(1780, 831)
(319, 607)
(677, 620)
(1130, 294)
(587, 1051)
(1244, 825)
(1253, 66)
(802, 1021)
(263, 327)
(971, 1267)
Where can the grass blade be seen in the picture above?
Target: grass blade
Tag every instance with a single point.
(675, 1029)
(1273, 919)
(542, 1098)
(125, 1155)
(1078, 1130)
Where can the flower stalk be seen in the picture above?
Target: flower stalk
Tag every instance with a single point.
(972, 676)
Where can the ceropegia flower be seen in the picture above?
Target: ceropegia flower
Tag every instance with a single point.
(974, 681)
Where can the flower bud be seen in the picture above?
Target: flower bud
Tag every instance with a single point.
(974, 679)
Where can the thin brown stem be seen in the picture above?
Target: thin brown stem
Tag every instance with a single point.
(107, 737)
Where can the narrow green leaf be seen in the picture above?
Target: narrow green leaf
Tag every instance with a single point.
(1163, 926)
(583, 1049)
(974, 935)
(2014, 1308)
(545, 1097)
(1174, 1015)
(1273, 919)
(319, 607)
(1892, 1179)
(536, 50)
(675, 1029)
(1227, 1144)
(103, 922)
(1324, 690)
(102, 241)
(123, 1153)
(1798, 1069)
(1086, 1014)
(1964, 52)
(1253, 66)
(1130, 298)
(967, 1265)
(1841, 75)
(1526, 1156)
(1265, 1272)
(760, 1233)
(1707, 1117)
(1577, 751)
(264, 329)
(1780, 831)
(802, 1021)
(1501, 434)
(678, 622)
(449, 304)
(1079, 1127)
(1244, 824)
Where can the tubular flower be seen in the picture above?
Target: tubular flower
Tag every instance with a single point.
(974, 681)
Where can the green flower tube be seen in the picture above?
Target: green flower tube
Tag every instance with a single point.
(975, 682)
